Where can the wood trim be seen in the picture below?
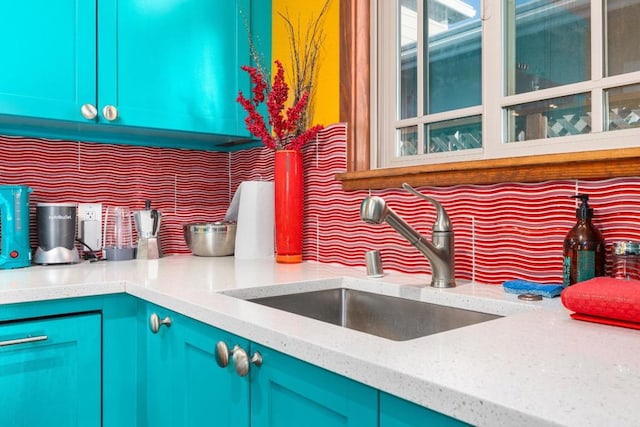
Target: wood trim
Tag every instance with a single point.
(355, 80)
(354, 110)
(585, 165)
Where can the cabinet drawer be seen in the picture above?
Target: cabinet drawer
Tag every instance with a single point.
(50, 371)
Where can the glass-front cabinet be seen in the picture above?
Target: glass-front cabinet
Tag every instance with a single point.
(472, 79)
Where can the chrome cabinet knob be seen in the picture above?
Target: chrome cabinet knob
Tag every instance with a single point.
(89, 111)
(155, 322)
(222, 354)
(241, 360)
(110, 112)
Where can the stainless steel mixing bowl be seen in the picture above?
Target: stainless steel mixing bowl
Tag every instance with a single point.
(211, 238)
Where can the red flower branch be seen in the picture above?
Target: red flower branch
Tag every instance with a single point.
(285, 135)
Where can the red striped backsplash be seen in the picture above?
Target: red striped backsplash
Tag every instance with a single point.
(503, 231)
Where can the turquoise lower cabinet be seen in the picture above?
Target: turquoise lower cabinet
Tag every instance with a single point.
(209, 395)
(184, 384)
(87, 365)
(122, 349)
(288, 392)
(396, 412)
(157, 368)
(50, 371)
(119, 361)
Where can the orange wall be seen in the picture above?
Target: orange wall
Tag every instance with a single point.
(328, 85)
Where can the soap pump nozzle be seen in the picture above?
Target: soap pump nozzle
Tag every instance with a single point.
(583, 211)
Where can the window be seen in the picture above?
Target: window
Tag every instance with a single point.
(474, 80)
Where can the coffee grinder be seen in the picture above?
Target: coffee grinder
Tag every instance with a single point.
(56, 234)
(14, 226)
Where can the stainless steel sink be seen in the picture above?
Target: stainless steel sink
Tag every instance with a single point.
(394, 318)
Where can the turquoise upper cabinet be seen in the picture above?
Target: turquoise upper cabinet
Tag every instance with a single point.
(174, 64)
(48, 58)
(50, 371)
(289, 392)
(144, 72)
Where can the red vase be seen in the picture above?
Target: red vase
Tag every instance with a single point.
(289, 197)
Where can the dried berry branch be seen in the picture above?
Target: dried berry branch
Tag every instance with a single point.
(283, 125)
(304, 57)
(256, 55)
(290, 127)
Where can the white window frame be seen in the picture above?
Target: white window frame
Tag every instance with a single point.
(383, 89)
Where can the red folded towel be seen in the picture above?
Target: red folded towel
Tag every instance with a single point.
(605, 300)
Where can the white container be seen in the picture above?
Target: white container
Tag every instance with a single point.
(252, 207)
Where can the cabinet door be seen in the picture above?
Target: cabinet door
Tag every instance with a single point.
(174, 65)
(396, 412)
(288, 392)
(121, 347)
(210, 395)
(49, 58)
(50, 371)
(157, 373)
(184, 384)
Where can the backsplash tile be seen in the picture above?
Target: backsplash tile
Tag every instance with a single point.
(502, 231)
(185, 185)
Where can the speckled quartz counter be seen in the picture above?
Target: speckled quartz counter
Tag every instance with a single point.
(533, 367)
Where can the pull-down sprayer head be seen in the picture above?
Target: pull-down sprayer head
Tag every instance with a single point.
(374, 210)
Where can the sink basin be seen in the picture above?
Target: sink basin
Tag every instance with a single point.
(394, 318)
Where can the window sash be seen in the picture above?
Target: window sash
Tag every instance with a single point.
(494, 107)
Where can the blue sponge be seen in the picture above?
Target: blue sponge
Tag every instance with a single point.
(526, 287)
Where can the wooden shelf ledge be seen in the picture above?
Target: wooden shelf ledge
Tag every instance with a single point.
(585, 165)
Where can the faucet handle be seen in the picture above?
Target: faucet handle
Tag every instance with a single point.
(442, 219)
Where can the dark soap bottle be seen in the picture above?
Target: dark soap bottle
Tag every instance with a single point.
(583, 250)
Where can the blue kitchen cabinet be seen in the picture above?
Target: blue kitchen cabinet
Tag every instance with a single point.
(88, 364)
(396, 412)
(157, 368)
(101, 364)
(184, 384)
(205, 387)
(289, 392)
(48, 58)
(175, 65)
(136, 72)
(122, 351)
(50, 371)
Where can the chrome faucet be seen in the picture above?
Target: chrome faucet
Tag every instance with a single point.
(440, 253)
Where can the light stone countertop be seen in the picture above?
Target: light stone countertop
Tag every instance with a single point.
(534, 367)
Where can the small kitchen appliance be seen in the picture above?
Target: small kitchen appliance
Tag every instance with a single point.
(14, 226)
(147, 226)
(56, 233)
(117, 239)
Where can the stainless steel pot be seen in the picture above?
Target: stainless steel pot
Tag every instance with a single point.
(211, 238)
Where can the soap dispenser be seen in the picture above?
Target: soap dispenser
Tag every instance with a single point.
(583, 250)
